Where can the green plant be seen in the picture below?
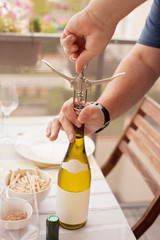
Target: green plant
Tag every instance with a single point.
(35, 25)
(56, 98)
(16, 16)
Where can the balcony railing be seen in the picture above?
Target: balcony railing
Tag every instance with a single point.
(41, 92)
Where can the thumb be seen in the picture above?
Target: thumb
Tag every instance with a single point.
(86, 114)
(83, 59)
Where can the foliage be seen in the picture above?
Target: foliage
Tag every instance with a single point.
(41, 7)
(57, 96)
(16, 16)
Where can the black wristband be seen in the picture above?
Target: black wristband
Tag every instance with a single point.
(106, 115)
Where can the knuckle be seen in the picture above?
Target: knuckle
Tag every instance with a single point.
(67, 105)
(68, 51)
(62, 117)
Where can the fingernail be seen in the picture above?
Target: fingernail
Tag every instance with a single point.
(48, 133)
(73, 58)
(52, 134)
(71, 137)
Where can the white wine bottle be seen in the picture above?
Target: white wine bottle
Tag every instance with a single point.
(74, 181)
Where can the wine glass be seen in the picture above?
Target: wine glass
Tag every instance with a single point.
(1, 124)
(8, 101)
(26, 229)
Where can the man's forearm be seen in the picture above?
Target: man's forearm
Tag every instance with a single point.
(142, 70)
(113, 10)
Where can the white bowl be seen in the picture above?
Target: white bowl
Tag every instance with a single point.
(27, 196)
(15, 205)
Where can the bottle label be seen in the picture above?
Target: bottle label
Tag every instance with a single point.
(74, 166)
(72, 208)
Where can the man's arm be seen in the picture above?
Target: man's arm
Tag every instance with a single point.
(142, 70)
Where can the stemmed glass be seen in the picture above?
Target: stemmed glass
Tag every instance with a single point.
(8, 100)
(18, 230)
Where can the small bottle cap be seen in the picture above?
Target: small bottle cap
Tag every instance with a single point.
(53, 218)
(52, 227)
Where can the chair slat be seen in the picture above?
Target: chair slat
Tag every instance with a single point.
(148, 217)
(151, 131)
(152, 109)
(136, 137)
(146, 136)
(112, 161)
(149, 179)
(154, 148)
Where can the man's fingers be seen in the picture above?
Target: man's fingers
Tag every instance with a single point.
(68, 41)
(69, 112)
(67, 127)
(48, 130)
(73, 57)
(53, 129)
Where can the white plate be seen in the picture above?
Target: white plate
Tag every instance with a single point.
(37, 147)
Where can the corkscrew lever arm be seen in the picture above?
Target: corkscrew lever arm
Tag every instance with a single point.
(70, 79)
(80, 83)
(101, 81)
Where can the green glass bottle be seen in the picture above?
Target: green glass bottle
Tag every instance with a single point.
(74, 181)
(52, 228)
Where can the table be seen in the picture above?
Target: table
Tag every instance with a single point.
(105, 219)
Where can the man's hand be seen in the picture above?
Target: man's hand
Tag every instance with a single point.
(91, 116)
(85, 37)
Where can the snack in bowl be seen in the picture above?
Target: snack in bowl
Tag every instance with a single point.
(15, 214)
(23, 182)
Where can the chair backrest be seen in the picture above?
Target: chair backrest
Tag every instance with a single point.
(142, 132)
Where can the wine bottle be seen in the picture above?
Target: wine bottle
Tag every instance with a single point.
(74, 181)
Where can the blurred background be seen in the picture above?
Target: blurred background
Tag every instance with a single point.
(30, 31)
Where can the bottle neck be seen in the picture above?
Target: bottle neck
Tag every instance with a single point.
(79, 132)
(78, 145)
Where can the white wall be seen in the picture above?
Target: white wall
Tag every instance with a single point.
(131, 26)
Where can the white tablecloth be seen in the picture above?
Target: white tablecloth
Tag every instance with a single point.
(105, 218)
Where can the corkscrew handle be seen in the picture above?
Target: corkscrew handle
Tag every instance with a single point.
(80, 94)
(80, 85)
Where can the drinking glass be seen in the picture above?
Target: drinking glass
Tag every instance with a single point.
(1, 125)
(29, 231)
(8, 101)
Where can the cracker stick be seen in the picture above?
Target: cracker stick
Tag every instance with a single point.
(11, 178)
(37, 171)
(32, 183)
(21, 172)
(16, 178)
(28, 177)
(38, 187)
(46, 184)
(26, 182)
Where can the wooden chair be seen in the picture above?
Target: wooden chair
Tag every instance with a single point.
(143, 131)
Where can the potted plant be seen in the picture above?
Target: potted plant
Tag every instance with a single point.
(18, 23)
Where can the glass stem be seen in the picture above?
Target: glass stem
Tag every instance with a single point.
(6, 127)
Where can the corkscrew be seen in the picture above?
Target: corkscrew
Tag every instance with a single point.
(80, 84)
